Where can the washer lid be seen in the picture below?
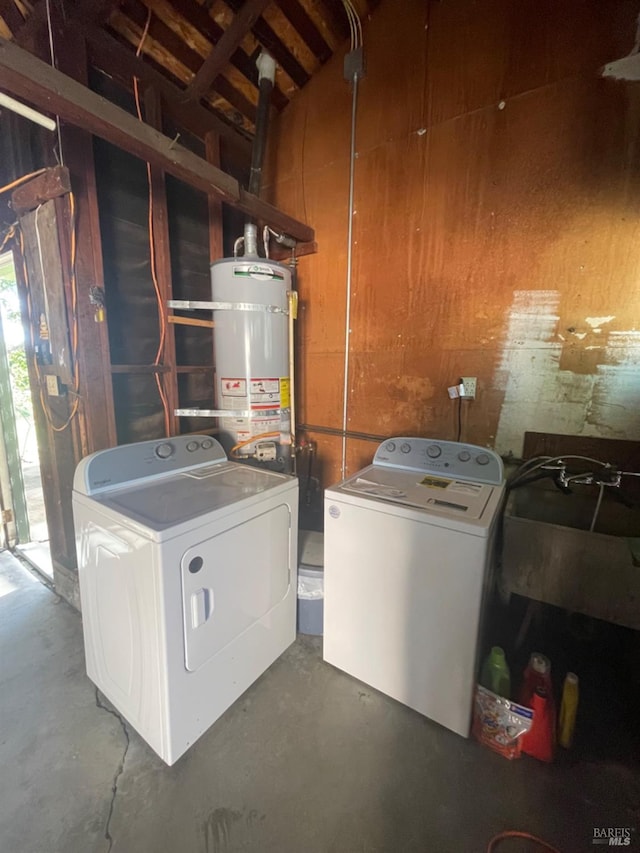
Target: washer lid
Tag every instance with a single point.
(443, 496)
(169, 501)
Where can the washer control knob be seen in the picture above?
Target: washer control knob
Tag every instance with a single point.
(464, 456)
(433, 451)
(390, 446)
(193, 445)
(207, 444)
(164, 450)
(482, 459)
(405, 447)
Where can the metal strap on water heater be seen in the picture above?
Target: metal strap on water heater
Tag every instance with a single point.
(224, 413)
(187, 305)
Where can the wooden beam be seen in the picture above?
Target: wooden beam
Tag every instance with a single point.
(190, 321)
(139, 368)
(51, 184)
(12, 17)
(120, 63)
(94, 11)
(280, 52)
(338, 20)
(304, 24)
(177, 47)
(198, 18)
(222, 52)
(216, 248)
(93, 352)
(25, 76)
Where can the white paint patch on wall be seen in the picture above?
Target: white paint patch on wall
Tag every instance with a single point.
(615, 407)
(540, 397)
(596, 322)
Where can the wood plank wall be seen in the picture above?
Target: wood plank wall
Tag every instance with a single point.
(496, 225)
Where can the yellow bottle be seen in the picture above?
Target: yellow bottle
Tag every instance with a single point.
(568, 710)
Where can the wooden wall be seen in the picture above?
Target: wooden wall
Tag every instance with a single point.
(496, 225)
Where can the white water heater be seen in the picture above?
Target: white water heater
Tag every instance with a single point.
(251, 356)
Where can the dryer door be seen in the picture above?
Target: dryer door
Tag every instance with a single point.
(232, 581)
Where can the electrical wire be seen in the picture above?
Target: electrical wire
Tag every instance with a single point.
(21, 180)
(54, 65)
(347, 9)
(459, 435)
(512, 833)
(355, 25)
(162, 317)
(75, 387)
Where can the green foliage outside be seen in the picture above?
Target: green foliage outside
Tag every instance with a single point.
(15, 354)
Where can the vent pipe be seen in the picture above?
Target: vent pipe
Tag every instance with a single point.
(266, 78)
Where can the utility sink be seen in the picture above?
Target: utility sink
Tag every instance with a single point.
(549, 555)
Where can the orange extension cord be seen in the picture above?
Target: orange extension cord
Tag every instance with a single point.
(512, 833)
(152, 255)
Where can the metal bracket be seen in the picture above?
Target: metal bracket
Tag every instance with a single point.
(187, 305)
(225, 413)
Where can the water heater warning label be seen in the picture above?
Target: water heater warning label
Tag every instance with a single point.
(234, 387)
(265, 393)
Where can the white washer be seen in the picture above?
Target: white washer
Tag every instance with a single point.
(188, 577)
(408, 544)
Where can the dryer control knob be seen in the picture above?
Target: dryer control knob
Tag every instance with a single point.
(464, 456)
(193, 445)
(207, 444)
(405, 448)
(433, 451)
(482, 459)
(390, 446)
(164, 450)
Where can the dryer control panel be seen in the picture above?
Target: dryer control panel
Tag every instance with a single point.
(119, 466)
(451, 459)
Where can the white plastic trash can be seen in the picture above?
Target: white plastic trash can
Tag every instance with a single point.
(310, 582)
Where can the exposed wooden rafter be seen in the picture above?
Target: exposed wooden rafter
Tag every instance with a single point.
(12, 17)
(199, 19)
(46, 88)
(244, 20)
(270, 39)
(108, 55)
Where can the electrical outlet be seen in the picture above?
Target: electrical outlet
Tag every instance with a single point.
(469, 386)
(53, 389)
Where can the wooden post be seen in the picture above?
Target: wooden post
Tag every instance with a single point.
(93, 337)
(216, 247)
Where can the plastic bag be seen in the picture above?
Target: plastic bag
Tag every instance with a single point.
(499, 723)
(310, 586)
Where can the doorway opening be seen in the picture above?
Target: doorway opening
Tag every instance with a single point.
(26, 500)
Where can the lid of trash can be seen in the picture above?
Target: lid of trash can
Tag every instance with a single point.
(311, 548)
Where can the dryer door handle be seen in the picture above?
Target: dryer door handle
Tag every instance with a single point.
(201, 606)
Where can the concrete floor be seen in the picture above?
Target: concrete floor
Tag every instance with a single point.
(307, 761)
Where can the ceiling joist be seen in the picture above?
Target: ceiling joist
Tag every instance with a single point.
(244, 20)
(32, 80)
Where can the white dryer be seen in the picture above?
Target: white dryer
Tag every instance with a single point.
(188, 575)
(408, 545)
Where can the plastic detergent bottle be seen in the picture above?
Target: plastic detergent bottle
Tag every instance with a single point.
(537, 675)
(495, 675)
(568, 710)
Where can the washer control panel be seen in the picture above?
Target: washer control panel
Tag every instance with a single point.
(450, 459)
(117, 467)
